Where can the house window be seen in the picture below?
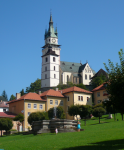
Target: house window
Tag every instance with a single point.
(35, 106)
(45, 76)
(68, 98)
(46, 59)
(40, 106)
(81, 98)
(45, 68)
(4, 110)
(98, 94)
(56, 102)
(54, 75)
(76, 80)
(54, 68)
(29, 106)
(99, 101)
(88, 99)
(89, 77)
(54, 59)
(61, 103)
(28, 113)
(51, 102)
(85, 77)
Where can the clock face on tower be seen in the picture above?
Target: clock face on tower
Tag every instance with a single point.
(53, 40)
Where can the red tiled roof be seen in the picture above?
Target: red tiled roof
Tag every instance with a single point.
(4, 104)
(75, 89)
(7, 115)
(30, 96)
(101, 87)
(52, 92)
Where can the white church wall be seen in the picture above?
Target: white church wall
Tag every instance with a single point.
(65, 74)
(87, 71)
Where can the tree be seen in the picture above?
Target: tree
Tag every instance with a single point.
(110, 108)
(5, 124)
(20, 118)
(37, 116)
(4, 94)
(115, 83)
(85, 111)
(34, 86)
(74, 110)
(98, 112)
(12, 97)
(59, 113)
(98, 80)
(22, 92)
(70, 84)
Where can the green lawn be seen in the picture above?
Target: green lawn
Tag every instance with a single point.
(107, 135)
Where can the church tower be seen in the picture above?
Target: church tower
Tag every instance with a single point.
(50, 57)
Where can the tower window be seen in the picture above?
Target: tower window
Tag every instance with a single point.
(89, 77)
(45, 76)
(85, 77)
(54, 75)
(45, 68)
(46, 59)
(54, 68)
(54, 59)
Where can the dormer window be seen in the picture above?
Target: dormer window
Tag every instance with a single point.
(72, 64)
(63, 63)
(70, 67)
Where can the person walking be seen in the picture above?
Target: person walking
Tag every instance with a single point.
(56, 130)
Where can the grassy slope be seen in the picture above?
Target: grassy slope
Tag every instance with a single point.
(107, 135)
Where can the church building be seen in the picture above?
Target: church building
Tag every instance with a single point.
(55, 71)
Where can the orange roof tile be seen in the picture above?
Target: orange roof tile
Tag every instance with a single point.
(7, 115)
(52, 92)
(75, 89)
(100, 87)
(30, 96)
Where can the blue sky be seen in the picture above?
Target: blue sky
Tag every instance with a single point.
(91, 30)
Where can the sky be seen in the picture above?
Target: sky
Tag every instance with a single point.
(88, 30)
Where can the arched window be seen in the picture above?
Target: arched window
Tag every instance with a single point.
(54, 68)
(54, 59)
(62, 78)
(67, 78)
(46, 59)
(85, 77)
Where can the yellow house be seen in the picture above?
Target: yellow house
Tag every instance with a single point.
(100, 94)
(26, 104)
(33, 102)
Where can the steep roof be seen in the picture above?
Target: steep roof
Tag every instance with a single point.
(100, 72)
(75, 89)
(29, 96)
(52, 92)
(101, 87)
(4, 104)
(73, 67)
(3, 99)
(7, 115)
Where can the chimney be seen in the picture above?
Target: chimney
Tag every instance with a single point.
(56, 89)
(39, 92)
(18, 95)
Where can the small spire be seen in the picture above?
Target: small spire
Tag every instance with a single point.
(51, 20)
